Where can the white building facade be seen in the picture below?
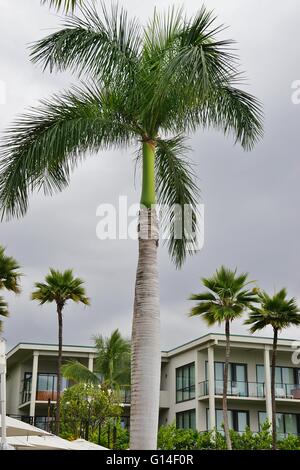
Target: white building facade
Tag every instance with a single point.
(191, 383)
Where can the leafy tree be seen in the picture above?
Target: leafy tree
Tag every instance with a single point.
(112, 363)
(86, 408)
(146, 86)
(60, 287)
(226, 300)
(279, 312)
(9, 280)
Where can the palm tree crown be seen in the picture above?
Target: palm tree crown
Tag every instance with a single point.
(9, 279)
(112, 363)
(60, 287)
(226, 298)
(152, 85)
(276, 311)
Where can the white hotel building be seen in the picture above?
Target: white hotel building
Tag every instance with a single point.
(191, 382)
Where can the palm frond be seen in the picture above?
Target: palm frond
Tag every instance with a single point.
(3, 307)
(9, 273)
(77, 372)
(227, 298)
(102, 45)
(60, 287)
(113, 359)
(178, 193)
(65, 5)
(46, 144)
(277, 311)
(204, 72)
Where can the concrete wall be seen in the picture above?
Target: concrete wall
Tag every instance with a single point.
(14, 381)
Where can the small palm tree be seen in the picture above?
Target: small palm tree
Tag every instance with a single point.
(112, 363)
(60, 287)
(279, 312)
(226, 300)
(144, 86)
(9, 280)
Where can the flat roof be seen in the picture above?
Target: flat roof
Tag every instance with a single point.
(192, 343)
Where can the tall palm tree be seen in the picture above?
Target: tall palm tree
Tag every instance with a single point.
(9, 280)
(60, 287)
(279, 312)
(226, 300)
(112, 363)
(146, 86)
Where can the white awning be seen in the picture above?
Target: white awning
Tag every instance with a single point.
(15, 427)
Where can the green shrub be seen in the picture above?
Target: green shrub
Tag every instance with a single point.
(171, 438)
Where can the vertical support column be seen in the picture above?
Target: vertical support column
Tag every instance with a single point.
(211, 388)
(35, 364)
(3, 443)
(91, 363)
(197, 391)
(268, 384)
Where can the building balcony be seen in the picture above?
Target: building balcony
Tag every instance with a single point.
(234, 389)
(250, 390)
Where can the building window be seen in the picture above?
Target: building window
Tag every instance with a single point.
(237, 378)
(185, 383)
(286, 423)
(47, 386)
(186, 419)
(238, 420)
(287, 380)
(26, 388)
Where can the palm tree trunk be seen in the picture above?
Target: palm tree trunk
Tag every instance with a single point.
(273, 397)
(146, 355)
(59, 364)
(225, 386)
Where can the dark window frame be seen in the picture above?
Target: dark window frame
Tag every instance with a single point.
(180, 414)
(284, 425)
(244, 364)
(234, 418)
(191, 388)
(295, 373)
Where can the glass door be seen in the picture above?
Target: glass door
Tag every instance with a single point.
(239, 379)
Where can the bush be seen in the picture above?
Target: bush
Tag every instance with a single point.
(171, 438)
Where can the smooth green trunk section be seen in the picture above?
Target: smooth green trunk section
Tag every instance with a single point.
(148, 183)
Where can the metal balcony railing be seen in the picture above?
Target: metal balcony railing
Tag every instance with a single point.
(251, 389)
(235, 388)
(287, 391)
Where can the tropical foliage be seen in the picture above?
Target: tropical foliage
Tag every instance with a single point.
(141, 84)
(279, 312)
(9, 280)
(66, 5)
(85, 409)
(171, 438)
(60, 288)
(146, 86)
(226, 299)
(112, 365)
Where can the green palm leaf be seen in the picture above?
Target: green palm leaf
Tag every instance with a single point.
(66, 5)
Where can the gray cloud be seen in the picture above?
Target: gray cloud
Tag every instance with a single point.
(251, 199)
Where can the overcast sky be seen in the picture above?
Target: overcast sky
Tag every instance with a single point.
(251, 199)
